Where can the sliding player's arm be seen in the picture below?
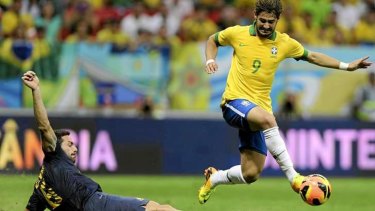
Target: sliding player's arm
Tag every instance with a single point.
(48, 135)
(35, 203)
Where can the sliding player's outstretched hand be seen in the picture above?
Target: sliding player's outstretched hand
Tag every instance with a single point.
(359, 63)
(31, 80)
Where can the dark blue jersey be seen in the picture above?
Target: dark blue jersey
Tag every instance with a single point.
(60, 184)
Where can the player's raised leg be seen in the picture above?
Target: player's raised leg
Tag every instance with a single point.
(207, 188)
(275, 144)
(248, 172)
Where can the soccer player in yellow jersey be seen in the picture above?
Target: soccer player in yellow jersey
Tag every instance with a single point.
(246, 103)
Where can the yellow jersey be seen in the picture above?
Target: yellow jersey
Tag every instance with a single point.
(254, 62)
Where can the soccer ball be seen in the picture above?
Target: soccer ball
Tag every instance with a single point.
(315, 189)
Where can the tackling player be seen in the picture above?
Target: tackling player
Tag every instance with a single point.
(246, 103)
(60, 184)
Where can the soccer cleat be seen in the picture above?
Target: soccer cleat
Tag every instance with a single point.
(297, 182)
(206, 189)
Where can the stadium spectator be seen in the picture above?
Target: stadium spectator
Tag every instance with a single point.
(179, 9)
(43, 56)
(93, 21)
(366, 6)
(228, 17)
(245, 10)
(144, 41)
(246, 103)
(49, 20)
(111, 33)
(334, 34)
(192, 26)
(171, 23)
(292, 24)
(82, 32)
(106, 12)
(30, 7)
(76, 11)
(59, 5)
(289, 107)
(363, 106)
(163, 39)
(146, 107)
(152, 4)
(11, 18)
(134, 21)
(61, 185)
(168, 44)
(143, 16)
(96, 3)
(348, 14)
(214, 9)
(4, 4)
(308, 30)
(365, 30)
(319, 9)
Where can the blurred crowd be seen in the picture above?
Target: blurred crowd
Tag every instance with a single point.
(31, 31)
(133, 24)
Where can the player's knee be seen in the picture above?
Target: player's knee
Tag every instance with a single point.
(268, 121)
(251, 175)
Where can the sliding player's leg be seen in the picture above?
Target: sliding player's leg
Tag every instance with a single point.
(105, 201)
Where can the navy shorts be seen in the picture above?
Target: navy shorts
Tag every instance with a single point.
(234, 113)
(105, 202)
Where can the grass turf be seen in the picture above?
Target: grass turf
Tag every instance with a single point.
(268, 194)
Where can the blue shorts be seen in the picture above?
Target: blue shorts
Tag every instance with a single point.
(105, 202)
(234, 113)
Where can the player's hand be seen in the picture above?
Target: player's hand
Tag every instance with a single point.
(359, 63)
(211, 67)
(31, 80)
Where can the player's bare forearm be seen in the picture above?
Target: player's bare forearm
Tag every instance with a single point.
(31, 80)
(211, 52)
(330, 62)
(211, 48)
(322, 60)
(48, 137)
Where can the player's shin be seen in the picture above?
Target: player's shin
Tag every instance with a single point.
(276, 146)
(229, 176)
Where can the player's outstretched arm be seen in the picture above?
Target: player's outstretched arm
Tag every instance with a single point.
(35, 204)
(30, 79)
(330, 62)
(211, 52)
(154, 206)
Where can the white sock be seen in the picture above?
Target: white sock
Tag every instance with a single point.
(229, 176)
(276, 146)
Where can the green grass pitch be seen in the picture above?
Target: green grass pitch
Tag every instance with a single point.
(268, 194)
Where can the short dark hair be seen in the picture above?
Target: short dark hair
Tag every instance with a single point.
(269, 6)
(60, 133)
